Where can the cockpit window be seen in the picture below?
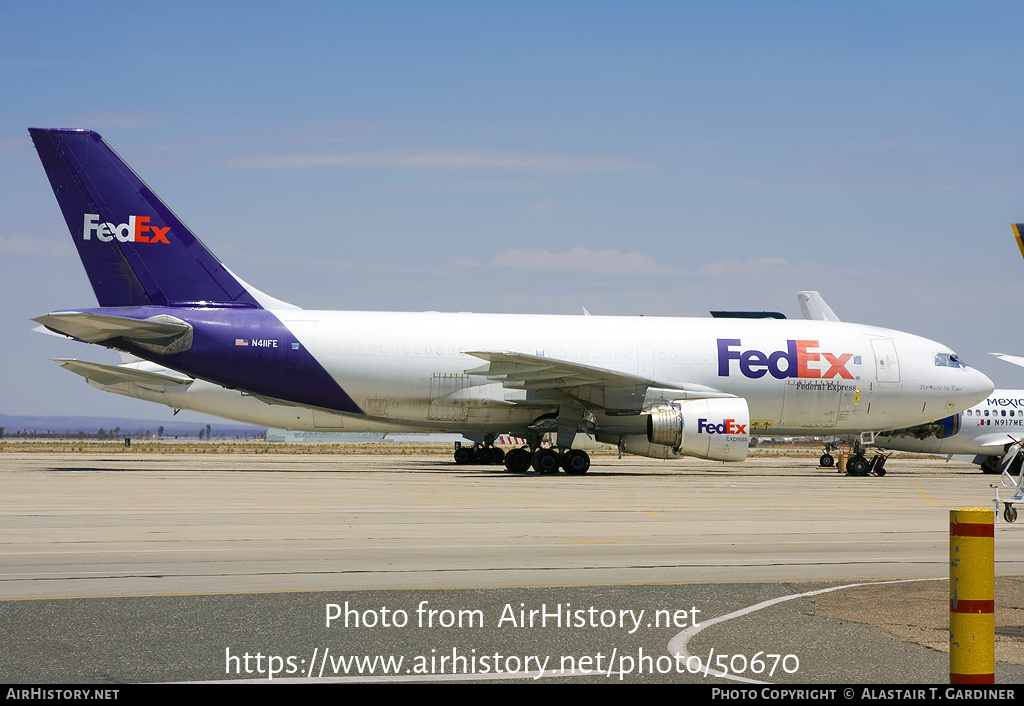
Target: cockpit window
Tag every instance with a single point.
(948, 360)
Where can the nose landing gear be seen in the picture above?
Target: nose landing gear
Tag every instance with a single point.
(857, 464)
(827, 460)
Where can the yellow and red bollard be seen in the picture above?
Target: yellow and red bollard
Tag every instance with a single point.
(971, 596)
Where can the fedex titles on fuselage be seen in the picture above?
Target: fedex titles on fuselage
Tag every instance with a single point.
(798, 356)
(131, 232)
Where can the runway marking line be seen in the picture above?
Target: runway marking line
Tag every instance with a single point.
(926, 497)
(677, 645)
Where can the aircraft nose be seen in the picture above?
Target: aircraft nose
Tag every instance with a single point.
(983, 386)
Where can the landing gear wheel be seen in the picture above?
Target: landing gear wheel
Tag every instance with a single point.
(991, 465)
(517, 461)
(826, 461)
(497, 455)
(546, 461)
(1010, 514)
(463, 456)
(857, 466)
(576, 462)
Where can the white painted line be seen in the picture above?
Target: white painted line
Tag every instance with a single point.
(677, 645)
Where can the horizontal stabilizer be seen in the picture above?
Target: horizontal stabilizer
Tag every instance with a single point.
(114, 374)
(50, 332)
(94, 328)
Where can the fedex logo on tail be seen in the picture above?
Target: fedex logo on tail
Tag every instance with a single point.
(134, 231)
(793, 362)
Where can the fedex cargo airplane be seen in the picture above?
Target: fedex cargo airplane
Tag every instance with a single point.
(205, 340)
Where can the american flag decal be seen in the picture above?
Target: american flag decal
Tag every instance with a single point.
(241, 342)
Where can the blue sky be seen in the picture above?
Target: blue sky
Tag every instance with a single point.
(655, 158)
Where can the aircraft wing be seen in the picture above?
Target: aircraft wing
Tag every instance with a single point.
(1015, 359)
(114, 374)
(994, 441)
(611, 390)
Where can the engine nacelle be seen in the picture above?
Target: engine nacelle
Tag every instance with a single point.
(717, 428)
(638, 445)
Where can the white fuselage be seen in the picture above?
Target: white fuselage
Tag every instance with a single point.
(409, 371)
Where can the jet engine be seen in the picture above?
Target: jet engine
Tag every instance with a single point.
(717, 428)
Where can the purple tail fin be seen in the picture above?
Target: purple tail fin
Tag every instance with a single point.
(135, 250)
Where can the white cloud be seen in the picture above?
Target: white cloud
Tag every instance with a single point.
(230, 253)
(736, 268)
(25, 245)
(611, 262)
(910, 185)
(426, 158)
(885, 146)
(544, 206)
(102, 119)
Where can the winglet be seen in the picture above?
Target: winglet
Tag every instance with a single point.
(1017, 228)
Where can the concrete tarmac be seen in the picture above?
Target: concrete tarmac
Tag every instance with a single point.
(132, 567)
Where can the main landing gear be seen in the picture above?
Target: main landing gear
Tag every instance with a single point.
(478, 454)
(547, 461)
(520, 460)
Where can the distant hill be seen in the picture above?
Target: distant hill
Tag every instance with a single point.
(70, 426)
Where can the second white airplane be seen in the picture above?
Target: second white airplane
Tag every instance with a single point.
(654, 386)
(989, 430)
